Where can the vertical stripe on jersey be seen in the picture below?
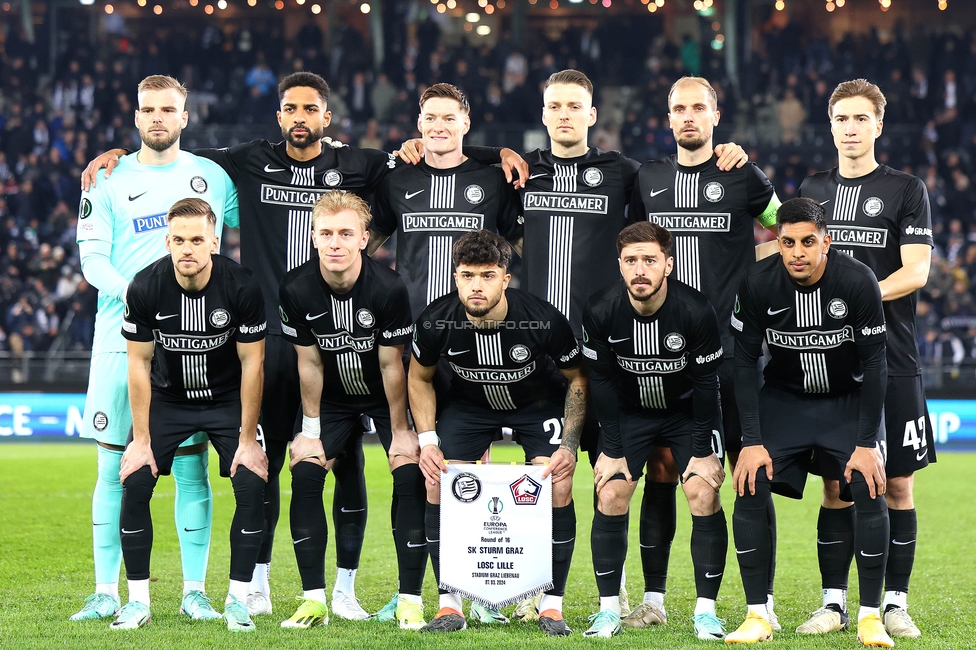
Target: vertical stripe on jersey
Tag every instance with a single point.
(564, 178)
(193, 318)
(814, 366)
(299, 243)
(193, 314)
(652, 392)
(645, 338)
(808, 312)
(342, 314)
(195, 376)
(847, 200)
(560, 262)
(685, 190)
(687, 260)
(299, 240)
(351, 373)
(439, 266)
(442, 192)
(489, 349)
(686, 255)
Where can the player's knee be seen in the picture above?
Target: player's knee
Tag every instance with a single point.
(831, 495)
(433, 493)
(614, 499)
(139, 485)
(661, 467)
(702, 499)
(307, 478)
(862, 496)
(562, 493)
(757, 501)
(899, 492)
(191, 470)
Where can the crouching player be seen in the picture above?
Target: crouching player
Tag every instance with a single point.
(195, 327)
(653, 348)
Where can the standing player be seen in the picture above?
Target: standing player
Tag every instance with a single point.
(121, 227)
(710, 213)
(349, 317)
(430, 204)
(881, 216)
(503, 346)
(653, 348)
(819, 313)
(195, 325)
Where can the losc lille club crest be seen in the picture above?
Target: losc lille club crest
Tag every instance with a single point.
(525, 491)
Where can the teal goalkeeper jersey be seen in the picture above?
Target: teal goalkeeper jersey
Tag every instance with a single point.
(127, 212)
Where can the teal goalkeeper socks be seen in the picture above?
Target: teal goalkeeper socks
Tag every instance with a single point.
(193, 513)
(106, 506)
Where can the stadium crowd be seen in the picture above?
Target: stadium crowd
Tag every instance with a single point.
(51, 126)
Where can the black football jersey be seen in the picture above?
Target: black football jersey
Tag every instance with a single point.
(574, 208)
(815, 335)
(195, 332)
(656, 362)
(506, 367)
(347, 327)
(276, 195)
(870, 218)
(430, 208)
(710, 214)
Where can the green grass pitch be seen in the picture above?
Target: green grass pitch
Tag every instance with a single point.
(46, 568)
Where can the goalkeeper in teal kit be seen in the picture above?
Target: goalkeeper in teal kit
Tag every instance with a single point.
(121, 230)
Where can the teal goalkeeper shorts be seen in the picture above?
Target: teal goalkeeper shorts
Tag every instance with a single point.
(107, 416)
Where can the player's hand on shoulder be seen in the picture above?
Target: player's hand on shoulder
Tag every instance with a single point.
(404, 444)
(607, 467)
(252, 456)
(108, 160)
(306, 449)
(511, 161)
(432, 463)
(411, 151)
(730, 156)
(137, 455)
(870, 463)
(708, 469)
(751, 459)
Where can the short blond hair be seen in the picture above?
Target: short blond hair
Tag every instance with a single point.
(337, 201)
(858, 88)
(701, 81)
(162, 82)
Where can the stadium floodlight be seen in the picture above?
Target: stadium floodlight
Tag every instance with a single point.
(87, 2)
(473, 17)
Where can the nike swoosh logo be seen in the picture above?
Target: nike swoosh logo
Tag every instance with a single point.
(872, 554)
(432, 541)
(825, 202)
(603, 573)
(410, 195)
(133, 198)
(160, 317)
(738, 552)
(271, 170)
(454, 353)
(537, 176)
(656, 192)
(712, 575)
(921, 454)
(836, 541)
(778, 311)
(132, 532)
(412, 545)
(250, 532)
(609, 340)
(897, 543)
(564, 541)
(308, 316)
(102, 524)
(299, 541)
(193, 530)
(651, 546)
(344, 510)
